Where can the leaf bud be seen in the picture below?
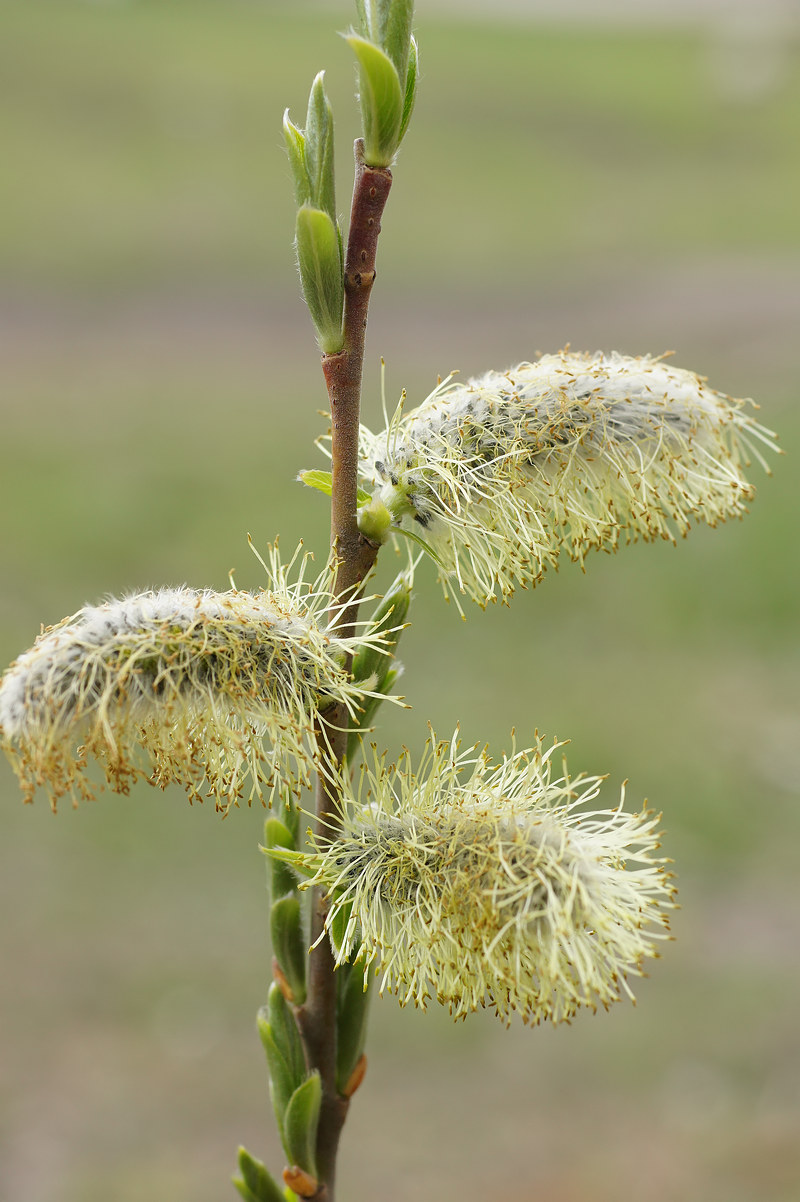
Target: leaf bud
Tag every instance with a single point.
(381, 100)
(351, 1024)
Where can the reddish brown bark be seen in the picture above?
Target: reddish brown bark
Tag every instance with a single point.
(355, 558)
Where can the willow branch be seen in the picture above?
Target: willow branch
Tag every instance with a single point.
(355, 556)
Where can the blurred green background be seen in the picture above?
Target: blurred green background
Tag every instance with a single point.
(627, 187)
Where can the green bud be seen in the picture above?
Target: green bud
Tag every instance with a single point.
(296, 150)
(319, 149)
(381, 100)
(281, 878)
(375, 521)
(319, 258)
(289, 943)
(256, 1184)
(351, 1023)
(300, 1124)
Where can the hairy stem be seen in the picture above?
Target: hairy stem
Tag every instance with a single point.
(355, 558)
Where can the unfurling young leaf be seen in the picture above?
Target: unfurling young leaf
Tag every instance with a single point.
(285, 1033)
(300, 1124)
(256, 1184)
(323, 482)
(285, 1059)
(351, 1021)
(289, 944)
(387, 23)
(319, 149)
(388, 70)
(310, 152)
(411, 87)
(319, 257)
(296, 149)
(381, 99)
(318, 240)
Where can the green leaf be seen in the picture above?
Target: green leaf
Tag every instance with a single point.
(322, 481)
(381, 99)
(321, 274)
(286, 1035)
(319, 149)
(257, 1180)
(282, 879)
(295, 148)
(302, 862)
(411, 88)
(351, 1024)
(300, 1124)
(289, 943)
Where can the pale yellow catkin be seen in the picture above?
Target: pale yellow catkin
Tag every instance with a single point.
(217, 692)
(502, 474)
(496, 886)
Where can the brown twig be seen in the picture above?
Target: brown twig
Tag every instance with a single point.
(355, 558)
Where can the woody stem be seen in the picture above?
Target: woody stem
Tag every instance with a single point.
(355, 556)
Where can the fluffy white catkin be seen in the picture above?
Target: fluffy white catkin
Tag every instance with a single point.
(493, 886)
(573, 452)
(195, 679)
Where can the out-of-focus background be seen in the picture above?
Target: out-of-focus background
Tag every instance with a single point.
(606, 174)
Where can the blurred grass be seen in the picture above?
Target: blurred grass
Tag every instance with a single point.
(160, 388)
